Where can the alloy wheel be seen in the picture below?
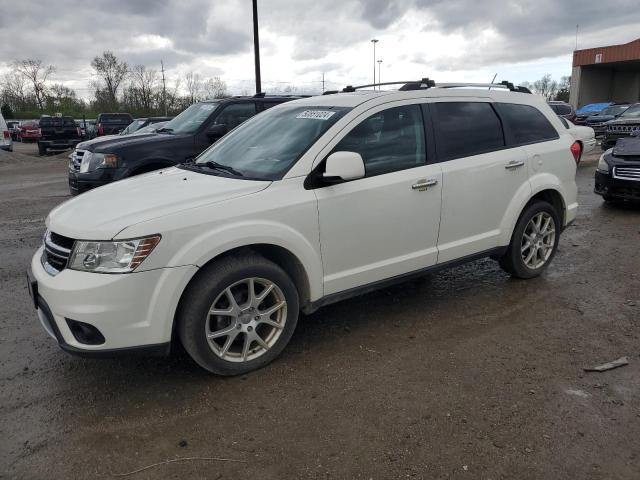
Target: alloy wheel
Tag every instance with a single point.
(538, 240)
(246, 319)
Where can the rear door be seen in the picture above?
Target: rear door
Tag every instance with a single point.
(480, 175)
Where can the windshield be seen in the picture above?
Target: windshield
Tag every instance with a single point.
(632, 112)
(151, 128)
(614, 110)
(132, 127)
(190, 120)
(266, 146)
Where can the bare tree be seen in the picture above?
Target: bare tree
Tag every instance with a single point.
(145, 82)
(215, 88)
(36, 73)
(14, 90)
(194, 86)
(546, 86)
(112, 72)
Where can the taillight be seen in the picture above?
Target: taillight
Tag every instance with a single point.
(100, 130)
(6, 134)
(576, 150)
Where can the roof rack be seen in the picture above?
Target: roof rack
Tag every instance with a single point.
(425, 83)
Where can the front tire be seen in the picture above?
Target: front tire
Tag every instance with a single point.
(238, 314)
(534, 241)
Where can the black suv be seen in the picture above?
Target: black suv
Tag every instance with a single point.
(112, 123)
(617, 176)
(623, 126)
(57, 133)
(103, 160)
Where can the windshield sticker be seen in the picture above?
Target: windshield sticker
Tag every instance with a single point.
(316, 114)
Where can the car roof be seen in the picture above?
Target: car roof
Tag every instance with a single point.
(353, 99)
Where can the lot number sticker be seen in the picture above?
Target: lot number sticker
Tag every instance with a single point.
(316, 114)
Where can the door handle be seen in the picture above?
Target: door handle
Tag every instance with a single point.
(423, 184)
(514, 164)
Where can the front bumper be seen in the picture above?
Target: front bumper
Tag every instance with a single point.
(132, 311)
(82, 182)
(610, 187)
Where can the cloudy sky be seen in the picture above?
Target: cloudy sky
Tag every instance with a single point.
(449, 40)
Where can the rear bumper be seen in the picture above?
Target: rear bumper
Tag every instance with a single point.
(610, 187)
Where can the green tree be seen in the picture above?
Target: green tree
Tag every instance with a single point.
(6, 111)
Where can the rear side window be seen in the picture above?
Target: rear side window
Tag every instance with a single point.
(467, 128)
(115, 118)
(527, 123)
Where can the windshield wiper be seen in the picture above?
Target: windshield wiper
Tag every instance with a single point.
(225, 168)
(165, 129)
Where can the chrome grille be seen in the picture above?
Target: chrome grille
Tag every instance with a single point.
(627, 173)
(75, 160)
(623, 128)
(57, 250)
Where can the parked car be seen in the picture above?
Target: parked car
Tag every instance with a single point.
(6, 143)
(101, 161)
(584, 136)
(308, 203)
(617, 176)
(599, 120)
(112, 123)
(13, 126)
(29, 131)
(139, 123)
(58, 133)
(563, 109)
(623, 126)
(588, 110)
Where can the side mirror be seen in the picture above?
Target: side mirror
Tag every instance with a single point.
(217, 131)
(341, 166)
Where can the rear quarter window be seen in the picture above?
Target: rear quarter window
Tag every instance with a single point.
(527, 124)
(467, 128)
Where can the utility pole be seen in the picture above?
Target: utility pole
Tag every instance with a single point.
(322, 82)
(256, 46)
(379, 81)
(374, 41)
(164, 89)
(577, 25)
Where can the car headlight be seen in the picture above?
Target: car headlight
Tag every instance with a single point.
(603, 166)
(111, 257)
(92, 161)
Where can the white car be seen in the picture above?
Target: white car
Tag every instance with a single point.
(585, 136)
(6, 143)
(311, 202)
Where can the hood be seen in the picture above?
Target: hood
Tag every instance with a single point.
(627, 147)
(101, 213)
(600, 118)
(104, 144)
(625, 121)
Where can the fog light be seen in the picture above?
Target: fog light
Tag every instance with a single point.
(85, 333)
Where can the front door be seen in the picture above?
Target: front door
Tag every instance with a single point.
(385, 224)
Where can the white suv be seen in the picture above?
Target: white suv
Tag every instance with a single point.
(6, 143)
(308, 203)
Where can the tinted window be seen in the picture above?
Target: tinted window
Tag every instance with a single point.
(235, 114)
(57, 122)
(467, 128)
(388, 141)
(527, 123)
(564, 122)
(115, 118)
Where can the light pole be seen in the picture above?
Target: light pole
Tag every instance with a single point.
(256, 46)
(379, 81)
(374, 41)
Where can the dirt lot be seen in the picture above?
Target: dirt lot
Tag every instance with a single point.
(465, 374)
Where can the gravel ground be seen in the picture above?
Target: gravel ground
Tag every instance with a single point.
(464, 374)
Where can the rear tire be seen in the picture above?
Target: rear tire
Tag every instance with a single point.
(534, 241)
(243, 335)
